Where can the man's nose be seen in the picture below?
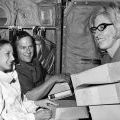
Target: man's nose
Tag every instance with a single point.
(28, 50)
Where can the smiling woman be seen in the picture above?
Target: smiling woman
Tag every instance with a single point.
(105, 28)
(6, 54)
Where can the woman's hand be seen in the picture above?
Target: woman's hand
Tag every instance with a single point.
(46, 103)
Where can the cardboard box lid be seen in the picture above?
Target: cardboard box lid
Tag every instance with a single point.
(107, 73)
(59, 87)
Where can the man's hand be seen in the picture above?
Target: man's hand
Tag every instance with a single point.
(59, 78)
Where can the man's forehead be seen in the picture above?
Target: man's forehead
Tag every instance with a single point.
(24, 43)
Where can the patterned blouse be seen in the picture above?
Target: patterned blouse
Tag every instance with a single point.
(12, 106)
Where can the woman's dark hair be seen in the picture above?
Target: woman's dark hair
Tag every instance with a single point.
(17, 36)
(3, 42)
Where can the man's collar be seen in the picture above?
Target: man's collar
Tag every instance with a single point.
(29, 66)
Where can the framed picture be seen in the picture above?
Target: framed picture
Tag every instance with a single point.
(46, 15)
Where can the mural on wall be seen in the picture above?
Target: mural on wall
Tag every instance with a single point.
(25, 13)
(6, 16)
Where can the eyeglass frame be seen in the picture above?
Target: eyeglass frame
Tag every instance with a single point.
(93, 29)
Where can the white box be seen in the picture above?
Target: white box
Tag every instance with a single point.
(68, 110)
(59, 91)
(98, 95)
(105, 112)
(107, 73)
(59, 87)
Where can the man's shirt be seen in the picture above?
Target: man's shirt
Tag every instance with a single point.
(30, 75)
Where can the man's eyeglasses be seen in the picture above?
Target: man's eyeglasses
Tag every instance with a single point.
(100, 27)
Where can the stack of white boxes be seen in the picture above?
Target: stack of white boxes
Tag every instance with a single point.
(99, 88)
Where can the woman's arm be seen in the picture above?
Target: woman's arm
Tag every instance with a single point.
(1, 103)
(1, 118)
(46, 103)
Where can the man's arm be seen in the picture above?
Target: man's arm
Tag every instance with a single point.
(42, 90)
